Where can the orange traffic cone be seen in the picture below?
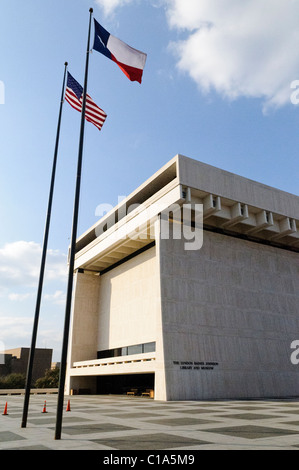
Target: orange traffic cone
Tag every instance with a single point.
(5, 409)
(44, 408)
(68, 406)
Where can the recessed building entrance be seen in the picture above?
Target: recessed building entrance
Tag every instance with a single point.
(130, 384)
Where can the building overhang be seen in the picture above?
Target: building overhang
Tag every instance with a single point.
(230, 203)
(130, 234)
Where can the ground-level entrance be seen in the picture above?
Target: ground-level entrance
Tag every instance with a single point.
(130, 384)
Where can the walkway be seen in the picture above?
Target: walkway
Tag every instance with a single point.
(132, 423)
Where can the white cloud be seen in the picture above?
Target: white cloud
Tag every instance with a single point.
(14, 328)
(57, 298)
(109, 6)
(238, 48)
(19, 297)
(16, 331)
(19, 274)
(20, 265)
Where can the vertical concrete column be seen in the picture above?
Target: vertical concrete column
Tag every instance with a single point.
(84, 321)
(160, 382)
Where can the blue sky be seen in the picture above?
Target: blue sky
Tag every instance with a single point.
(216, 88)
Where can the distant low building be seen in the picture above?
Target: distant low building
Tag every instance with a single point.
(15, 361)
(55, 365)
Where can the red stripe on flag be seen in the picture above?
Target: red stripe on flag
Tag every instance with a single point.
(72, 99)
(131, 72)
(93, 113)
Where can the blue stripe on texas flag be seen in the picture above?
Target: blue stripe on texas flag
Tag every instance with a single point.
(101, 39)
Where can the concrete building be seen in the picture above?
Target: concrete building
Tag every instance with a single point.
(16, 362)
(201, 304)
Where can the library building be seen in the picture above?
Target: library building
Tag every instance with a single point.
(188, 289)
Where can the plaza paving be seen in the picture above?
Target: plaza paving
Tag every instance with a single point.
(124, 423)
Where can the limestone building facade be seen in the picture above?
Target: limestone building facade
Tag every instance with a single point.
(189, 289)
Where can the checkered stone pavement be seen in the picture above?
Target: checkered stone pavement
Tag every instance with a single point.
(119, 423)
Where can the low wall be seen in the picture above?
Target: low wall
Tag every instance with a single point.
(21, 391)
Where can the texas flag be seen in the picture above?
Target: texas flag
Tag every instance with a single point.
(131, 61)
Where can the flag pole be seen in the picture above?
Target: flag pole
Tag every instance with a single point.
(72, 252)
(43, 262)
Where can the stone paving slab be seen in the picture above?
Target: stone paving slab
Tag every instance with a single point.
(120, 423)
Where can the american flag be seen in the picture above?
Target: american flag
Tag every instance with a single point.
(74, 96)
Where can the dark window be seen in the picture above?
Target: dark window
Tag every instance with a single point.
(127, 350)
(105, 353)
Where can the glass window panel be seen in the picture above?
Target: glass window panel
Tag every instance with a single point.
(149, 347)
(137, 349)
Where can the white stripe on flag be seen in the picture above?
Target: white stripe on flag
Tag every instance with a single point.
(93, 113)
(125, 53)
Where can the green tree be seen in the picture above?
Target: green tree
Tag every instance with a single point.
(13, 381)
(50, 380)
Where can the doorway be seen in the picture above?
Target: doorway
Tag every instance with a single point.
(130, 384)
